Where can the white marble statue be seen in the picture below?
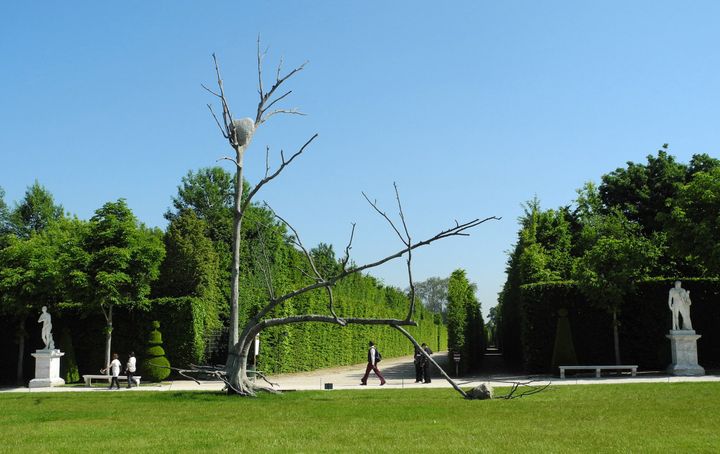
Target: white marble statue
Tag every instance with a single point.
(679, 302)
(46, 331)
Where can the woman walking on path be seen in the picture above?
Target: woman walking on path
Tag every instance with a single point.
(373, 358)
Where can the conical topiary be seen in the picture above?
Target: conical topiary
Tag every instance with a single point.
(564, 350)
(155, 365)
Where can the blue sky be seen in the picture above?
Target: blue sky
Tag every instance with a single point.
(471, 107)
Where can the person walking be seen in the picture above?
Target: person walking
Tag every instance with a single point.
(114, 368)
(426, 363)
(130, 369)
(373, 358)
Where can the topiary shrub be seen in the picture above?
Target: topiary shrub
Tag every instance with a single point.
(564, 350)
(155, 365)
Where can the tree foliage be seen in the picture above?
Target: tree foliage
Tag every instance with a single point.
(35, 212)
(124, 259)
(464, 320)
(693, 224)
(433, 292)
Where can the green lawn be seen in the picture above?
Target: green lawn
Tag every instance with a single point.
(680, 417)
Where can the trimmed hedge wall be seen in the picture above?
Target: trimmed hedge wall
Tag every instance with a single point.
(288, 348)
(644, 321)
(309, 346)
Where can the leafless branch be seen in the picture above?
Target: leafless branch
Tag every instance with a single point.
(210, 91)
(407, 241)
(458, 229)
(279, 98)
(277, 172)
(346, 258)
(384, 215)
(306, 274)
(225, 133)
(266, 101)
(518, 385)
(267, 161)
(229, 130)
(260, 57)
(279, 68)
(214, 372)
(282, 111)
(228, 158)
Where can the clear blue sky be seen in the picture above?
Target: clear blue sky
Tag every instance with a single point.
(471, 107)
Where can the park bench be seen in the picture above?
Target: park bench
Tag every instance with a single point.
(632, 368)
(121, 378)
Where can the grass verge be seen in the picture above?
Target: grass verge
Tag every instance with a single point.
(597, 418)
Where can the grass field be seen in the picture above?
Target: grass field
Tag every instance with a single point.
(680, 417)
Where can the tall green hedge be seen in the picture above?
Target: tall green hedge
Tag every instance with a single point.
(286, 348)
(466, 334)
(644, 321)
(310, 346)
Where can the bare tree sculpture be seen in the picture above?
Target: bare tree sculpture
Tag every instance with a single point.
(239, 133)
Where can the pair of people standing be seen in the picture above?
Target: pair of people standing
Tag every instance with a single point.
(422, 364)
(114, 368)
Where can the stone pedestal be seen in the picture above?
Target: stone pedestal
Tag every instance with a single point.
(47, 369)
(683, 344)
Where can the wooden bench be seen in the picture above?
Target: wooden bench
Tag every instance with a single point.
(122, 378)
(632, 368)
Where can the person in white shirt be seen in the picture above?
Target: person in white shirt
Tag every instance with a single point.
(130, 369)
(372, 366)
(114, 368)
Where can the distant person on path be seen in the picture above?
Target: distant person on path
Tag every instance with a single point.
(114, 368)
(426, 363)
(130, 369)
(418, 360)
(373, 357)
(679, 302)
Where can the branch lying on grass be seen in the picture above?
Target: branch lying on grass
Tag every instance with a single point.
(218, 372)
(517, 385)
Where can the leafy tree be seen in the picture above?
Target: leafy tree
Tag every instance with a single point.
(608, 270)
(209, 194)
(35, 212)
(640, 191)
(191, 266)
(465, 327)
(433, 291)
(124, 259)
(324, 257)
(702, 163)
(694, 222)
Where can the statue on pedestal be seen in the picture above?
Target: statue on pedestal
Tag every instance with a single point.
(683, 339)
(679, 303)
(46, 331)
(47, 360)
